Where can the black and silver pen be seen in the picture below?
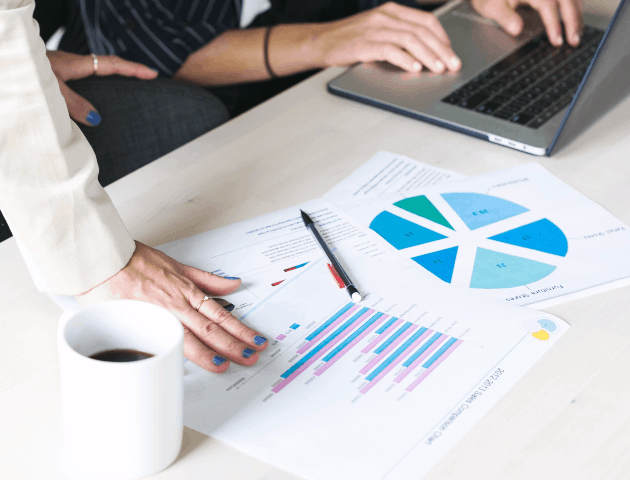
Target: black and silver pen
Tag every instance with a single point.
(350, 288)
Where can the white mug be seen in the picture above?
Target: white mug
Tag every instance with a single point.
(122, 420)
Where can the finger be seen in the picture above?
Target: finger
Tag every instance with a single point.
(427, 44)
(572, 19)
(210, 283)
(228, 322)
(114, 65)
(214, 337)
(418, 17)
(504, 14)
(548, 11)
(416, 47)
(387, 52)
(78, 107)
(200, 354)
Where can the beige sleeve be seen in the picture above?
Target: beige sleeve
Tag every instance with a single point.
(65, 224)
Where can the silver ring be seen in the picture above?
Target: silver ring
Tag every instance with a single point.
(95, 59)
(201, 303)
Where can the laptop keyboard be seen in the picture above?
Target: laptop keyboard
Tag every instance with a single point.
(532, 84)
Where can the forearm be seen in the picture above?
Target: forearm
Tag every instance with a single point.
(65, 224)
(237, 56)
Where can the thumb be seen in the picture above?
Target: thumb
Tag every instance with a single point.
(211, 284)
(504, 14)
(79, 108)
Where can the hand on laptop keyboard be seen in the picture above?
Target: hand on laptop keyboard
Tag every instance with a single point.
(504, 13)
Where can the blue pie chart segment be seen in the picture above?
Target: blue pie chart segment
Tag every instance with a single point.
(478, 210)
(440, 263)
(542, 235)
(499, 270)
(401, 233)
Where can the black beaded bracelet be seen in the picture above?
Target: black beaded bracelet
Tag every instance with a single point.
(266, 52)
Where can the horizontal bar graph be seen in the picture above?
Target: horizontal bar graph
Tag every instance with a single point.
(432, 364)
(389, 341)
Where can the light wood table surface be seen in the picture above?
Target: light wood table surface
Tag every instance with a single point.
(568, 418)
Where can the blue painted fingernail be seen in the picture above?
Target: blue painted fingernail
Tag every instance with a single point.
(258, 340)
(248, 352)
(93, 118)
(232, 278)
(218, 360)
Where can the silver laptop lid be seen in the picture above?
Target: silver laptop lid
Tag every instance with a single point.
(605, 84)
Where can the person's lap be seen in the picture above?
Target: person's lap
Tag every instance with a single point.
(141, 122)
(144, 120)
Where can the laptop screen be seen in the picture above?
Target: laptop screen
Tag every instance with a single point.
(605, 84)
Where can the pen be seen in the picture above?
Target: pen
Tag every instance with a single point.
(350, 288)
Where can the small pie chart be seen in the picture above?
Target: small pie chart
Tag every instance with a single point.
(414, 222)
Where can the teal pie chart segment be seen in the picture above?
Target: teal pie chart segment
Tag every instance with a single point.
(440, 263)
(499, 270)
(478, 210)
(401, 233)
(542, 235)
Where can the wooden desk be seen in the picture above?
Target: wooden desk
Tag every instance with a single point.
(567, 418)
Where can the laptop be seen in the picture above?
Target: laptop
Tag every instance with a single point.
(518, 92)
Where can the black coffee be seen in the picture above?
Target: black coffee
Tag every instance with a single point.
(121, 355)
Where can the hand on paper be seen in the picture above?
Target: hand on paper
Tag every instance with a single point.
(69, 66)
(504, 13)
(212, 336)
(406, 37)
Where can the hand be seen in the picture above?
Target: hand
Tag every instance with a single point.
(403, 36)
(70, 66)
(504, 13)
(212, 336)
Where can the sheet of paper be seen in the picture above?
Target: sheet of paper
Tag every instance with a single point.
(382, 389)
(519, 235)
(271, 249)
(388, 173)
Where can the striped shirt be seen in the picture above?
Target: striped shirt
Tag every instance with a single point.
(159, 33)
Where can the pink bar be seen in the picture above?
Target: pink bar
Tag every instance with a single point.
(420, 359)
(385, 352)
(319, 354)
(352, 310)
(383, 335)
(349, 346)
(395, 362)
(281, 337)
(426, 373)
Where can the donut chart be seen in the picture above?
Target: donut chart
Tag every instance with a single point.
(417, 221)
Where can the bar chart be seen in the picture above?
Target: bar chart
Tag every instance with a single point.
(395, 350)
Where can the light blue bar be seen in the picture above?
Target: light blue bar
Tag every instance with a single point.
(347, 341)
(329, 321)
(324, 342)
(389, 341)
(388, 324)
(295, 326)
(399, 351)
(439, 353)
(422, 349)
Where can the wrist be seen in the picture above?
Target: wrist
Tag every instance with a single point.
(296, 48)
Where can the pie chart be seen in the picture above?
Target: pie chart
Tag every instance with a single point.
(416, 221)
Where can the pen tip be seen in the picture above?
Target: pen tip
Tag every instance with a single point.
(307, 220)
(356, 297)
